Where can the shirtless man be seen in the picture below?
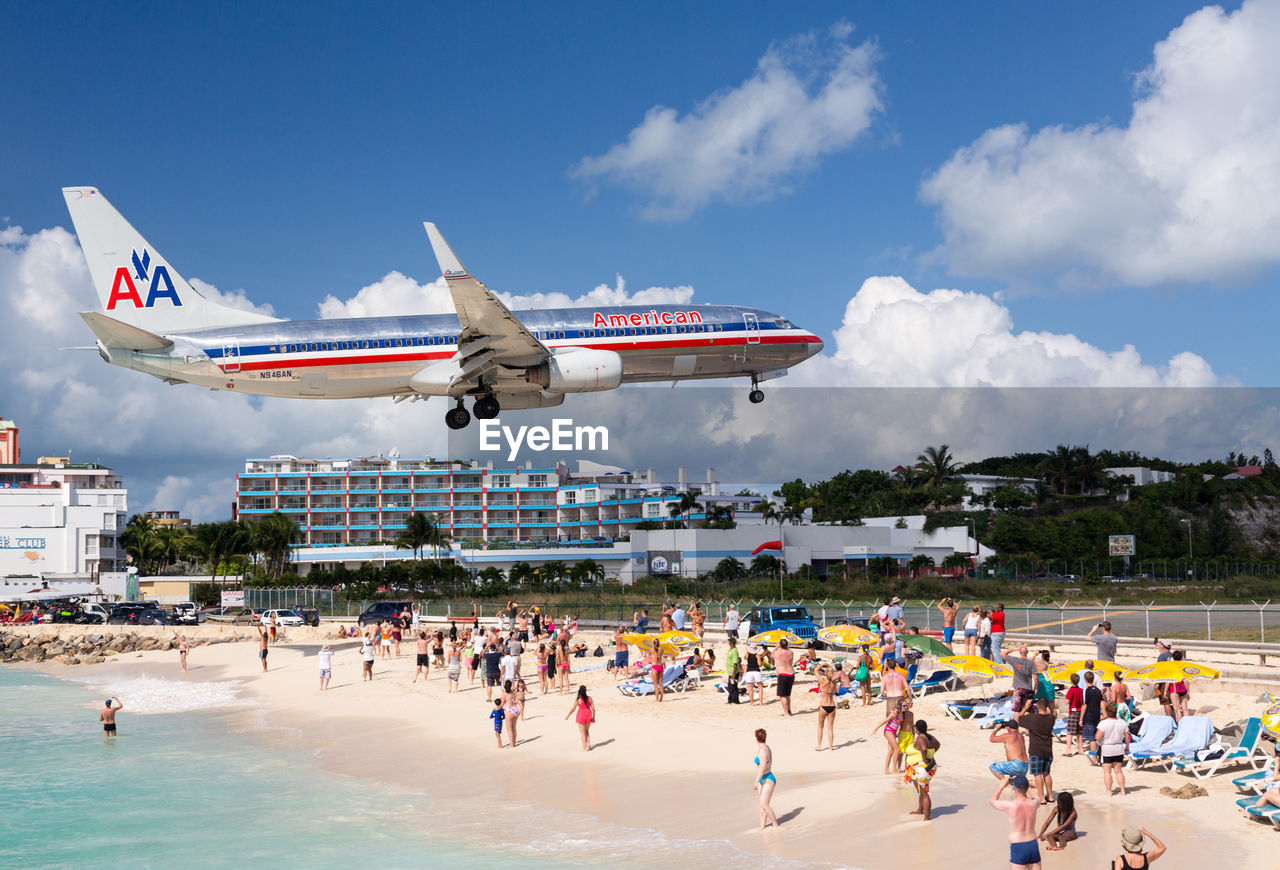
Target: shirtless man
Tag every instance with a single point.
(263, 637)
(1024, 851)
(108, 717)
(621, 654)
(1015, 752)
(423, 660)
(784, 659)
(949, 610)
(184, 647)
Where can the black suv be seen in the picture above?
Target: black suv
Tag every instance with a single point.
(382, 611)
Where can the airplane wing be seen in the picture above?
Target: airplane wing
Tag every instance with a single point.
(113, 333)
(492, 337)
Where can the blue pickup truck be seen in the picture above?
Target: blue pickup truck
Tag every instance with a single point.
(788, 617)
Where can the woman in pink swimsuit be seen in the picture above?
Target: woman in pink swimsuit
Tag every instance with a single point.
(584, 713)
(543, 683)
(562, 665)
(655, 669)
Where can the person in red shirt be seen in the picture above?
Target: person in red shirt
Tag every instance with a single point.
(1075, 706)
(997, 632)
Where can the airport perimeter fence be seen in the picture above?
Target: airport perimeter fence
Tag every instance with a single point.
(1066, 619)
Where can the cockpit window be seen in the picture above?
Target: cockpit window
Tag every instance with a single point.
(783, 323)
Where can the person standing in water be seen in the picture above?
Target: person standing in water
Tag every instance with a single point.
(584, 713)
(766, 782)
(108, 717)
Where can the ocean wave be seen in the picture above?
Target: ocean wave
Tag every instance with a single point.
(148, 695)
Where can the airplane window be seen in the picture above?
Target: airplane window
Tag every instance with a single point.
(562, 333)
(399, 342)
(719, 327)
(293, 348)
(364, 344)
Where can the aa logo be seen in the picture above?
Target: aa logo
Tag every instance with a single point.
(124, 287)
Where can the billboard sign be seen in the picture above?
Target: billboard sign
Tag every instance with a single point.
(1122, 545)
(233, 598)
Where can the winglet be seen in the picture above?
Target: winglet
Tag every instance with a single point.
(450, 265)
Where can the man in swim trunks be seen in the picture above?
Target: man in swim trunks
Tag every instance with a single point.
(949, 610)
(1015, 752)
(263, 638)
(1024, 851)
(622, 654)
(784, 659)
(108, 717)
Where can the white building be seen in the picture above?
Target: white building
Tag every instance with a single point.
(1141, 476)
(985, 484)
(61, 521)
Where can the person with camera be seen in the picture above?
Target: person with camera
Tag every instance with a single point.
(1105, 642)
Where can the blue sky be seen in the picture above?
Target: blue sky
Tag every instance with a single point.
(295, 154)
(292, 151)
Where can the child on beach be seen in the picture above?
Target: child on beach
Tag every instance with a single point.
(891, 725)
(522, 695)
(1065, 829)
(1075, 707)
(497, 715)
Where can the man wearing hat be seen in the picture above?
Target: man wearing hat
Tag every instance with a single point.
(894, 614)
(1024, 850)
(1131, 839)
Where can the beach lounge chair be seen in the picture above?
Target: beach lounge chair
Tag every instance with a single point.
(674, 679)
(943, 681)
(1266, 813)
(1194, 733)
(1251, 782)
(1156, 729)
(992, 714)
(963, 709)
(1248, 751)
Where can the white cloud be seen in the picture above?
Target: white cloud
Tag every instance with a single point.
(1188, 191)
(400, 294)
(892, 335)
(236, 299)
(811, 95)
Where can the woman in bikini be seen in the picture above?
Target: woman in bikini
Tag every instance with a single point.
(511, 707)
(584, 713)
(655, 669)
(766, 782)
(437, 650)
(1065, 830)
(827, 687)
(544, 684)
(562, 666)
(455, 667)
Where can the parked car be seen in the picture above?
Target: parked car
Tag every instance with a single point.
(1051, 576)
(156, 616)
(790, 617)
(127, 613)
(381, 611)
(310, 616)
(186, 613)
(235, 616)
(94, 612)
(283, 617)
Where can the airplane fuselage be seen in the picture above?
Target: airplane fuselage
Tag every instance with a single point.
(377, 356)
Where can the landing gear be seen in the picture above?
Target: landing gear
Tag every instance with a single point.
(756, 396)
(458, 418)
(486, 408)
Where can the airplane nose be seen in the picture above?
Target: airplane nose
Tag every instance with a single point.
(814, 344)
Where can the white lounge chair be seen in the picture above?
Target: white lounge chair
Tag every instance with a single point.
(1248, 751)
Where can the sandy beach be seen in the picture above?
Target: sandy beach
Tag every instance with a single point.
(684, 767)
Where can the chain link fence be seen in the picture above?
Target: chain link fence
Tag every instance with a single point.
(1230, 621)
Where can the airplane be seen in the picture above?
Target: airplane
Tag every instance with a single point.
(153, 321)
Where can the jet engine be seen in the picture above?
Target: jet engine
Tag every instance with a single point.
(578, 370)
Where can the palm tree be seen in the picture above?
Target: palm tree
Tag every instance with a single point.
(688, 502)
(718, 517)
(1057, 466)
(937, 465)
(521, 573)
(553, 572)
(918, 563)
(587, 571)
(141, 540)
(273, 536)
(420, 532)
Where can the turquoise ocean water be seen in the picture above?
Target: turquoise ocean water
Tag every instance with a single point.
(188, 784)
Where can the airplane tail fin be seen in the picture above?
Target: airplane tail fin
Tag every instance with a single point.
(136, 285)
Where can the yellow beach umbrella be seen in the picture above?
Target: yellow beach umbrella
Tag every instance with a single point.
(975, 665)
(635, 638)
(847, 635)
(1172, 672)
(777, 635)
(680, 638)
(1107, 670)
